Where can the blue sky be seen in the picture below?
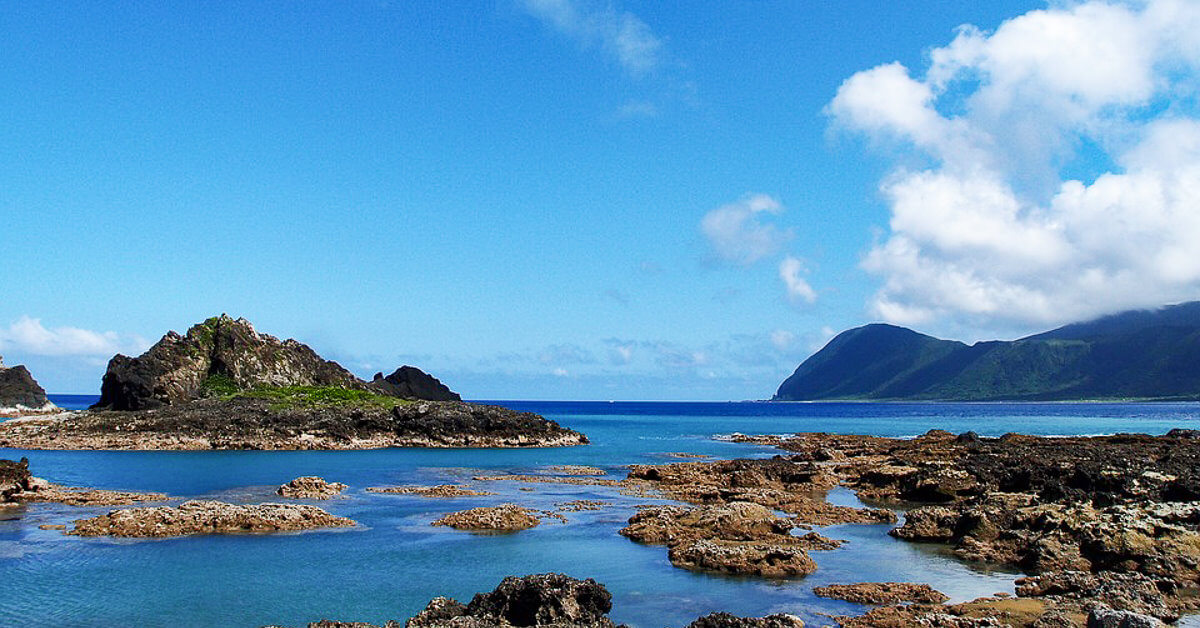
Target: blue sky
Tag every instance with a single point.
(567, 199)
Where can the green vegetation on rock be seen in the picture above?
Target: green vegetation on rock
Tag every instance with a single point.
(283, 397)
(218, 385)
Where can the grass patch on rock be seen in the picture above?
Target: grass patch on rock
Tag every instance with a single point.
(285, 397)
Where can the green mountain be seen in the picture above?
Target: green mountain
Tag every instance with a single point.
(1145, 354)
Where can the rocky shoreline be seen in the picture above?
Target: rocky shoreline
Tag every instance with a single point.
(1103, 525)
(19, 486)
(207, 517)
(270, 424)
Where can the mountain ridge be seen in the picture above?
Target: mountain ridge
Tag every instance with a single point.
(1138, 354)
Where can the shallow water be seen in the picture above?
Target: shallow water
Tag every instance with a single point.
(394, 562)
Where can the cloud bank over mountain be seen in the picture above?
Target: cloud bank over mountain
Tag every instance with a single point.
(1044, 172)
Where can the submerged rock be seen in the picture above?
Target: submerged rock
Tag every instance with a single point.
(207, 517)
(410, 382)
(310, 487)
(502, 518)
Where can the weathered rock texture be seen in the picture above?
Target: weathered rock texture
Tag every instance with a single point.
(264, 423)
(214, 356)
(736, 538)
(207, 517)
(20, 393)
(502, 518)
(410, 382)
(882, 593)
(17, 486)
(310, 487)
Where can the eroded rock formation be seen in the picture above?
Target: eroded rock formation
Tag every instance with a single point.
(502, 518)
(310, 487)
(20, 393)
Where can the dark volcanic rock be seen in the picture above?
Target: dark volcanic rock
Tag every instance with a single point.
(14, 479)
(18, 388)
(725, 620)
(267, 423)
(410, 382)
(219, 355)
(539, 600)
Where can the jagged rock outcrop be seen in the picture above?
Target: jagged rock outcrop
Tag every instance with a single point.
(14, 479)
(534, 601)
(217, 356)
(207, 517)
(310, 487)
(19, 392)
(410, 382)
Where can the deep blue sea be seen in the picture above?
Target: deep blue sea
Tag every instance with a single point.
(395, 562)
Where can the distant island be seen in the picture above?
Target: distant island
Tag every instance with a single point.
(224, 385)
(1141, 354)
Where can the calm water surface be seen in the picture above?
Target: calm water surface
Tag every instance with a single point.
(394, 562)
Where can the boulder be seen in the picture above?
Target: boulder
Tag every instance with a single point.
(19, 391)
(410, 382)
(1108, 618)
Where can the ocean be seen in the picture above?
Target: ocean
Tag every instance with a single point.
(394, 562)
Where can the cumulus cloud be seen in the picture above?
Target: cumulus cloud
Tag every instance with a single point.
(1057, 166)
(738, 233)
(621, 34)
(29, 335)
(798, 290)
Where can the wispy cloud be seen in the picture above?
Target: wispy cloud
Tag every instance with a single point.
(1062, 170)
(29, 335)
(798, 289)
(738, 233)
(620, 34)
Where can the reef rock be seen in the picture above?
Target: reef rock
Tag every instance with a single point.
(410, 382)
(18, 486)
(736, 538)
(502, 518)
(207, 517)
(882, 593)
(14, 480)
(310, 487)
(441, 490)
(20, 393)
(217, 356)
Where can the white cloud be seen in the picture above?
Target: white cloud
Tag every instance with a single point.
(782, 339)
(1062, 167)
(621, 34)
(29, 335)
(798, 289)
(738, 234)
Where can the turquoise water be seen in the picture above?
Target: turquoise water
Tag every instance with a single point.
(394, 562)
